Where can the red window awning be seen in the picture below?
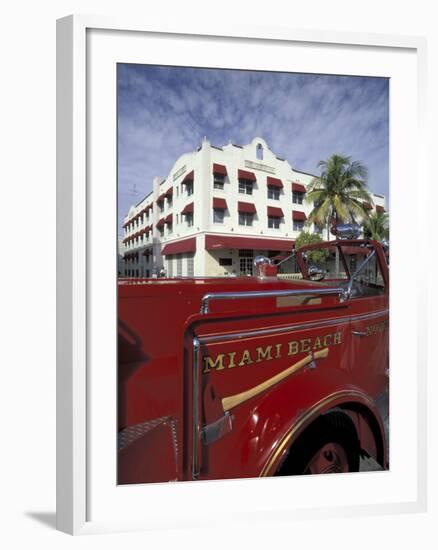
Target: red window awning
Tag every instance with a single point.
(188, 209)
(180, 247)
(160, 222)
(247, 207)
(299, 216)
(245, 175)
(219, 169)
(275, 212)
(220, 242)
(380, 209)
(274, 182)
(189, 177)
(169, 192)
(298, 187)
(169, 219)
(220, 204)
(161, 197)
(367, 206)
(147, 252)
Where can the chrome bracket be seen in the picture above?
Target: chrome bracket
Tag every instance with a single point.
(312, 365)
(217, 429)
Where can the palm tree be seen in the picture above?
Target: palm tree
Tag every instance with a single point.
(339, 192)
(376, 226)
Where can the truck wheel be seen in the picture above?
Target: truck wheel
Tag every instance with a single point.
(329, 446)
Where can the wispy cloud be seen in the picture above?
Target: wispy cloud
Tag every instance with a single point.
(164, 112)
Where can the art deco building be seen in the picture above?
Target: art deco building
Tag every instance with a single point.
(216, 210)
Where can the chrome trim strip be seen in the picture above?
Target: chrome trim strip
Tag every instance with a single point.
(207, 298)
(279, 330)
(195, 409)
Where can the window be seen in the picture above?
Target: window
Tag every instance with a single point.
(170, 265)
(259, 151)
(225, 261)
(189, 188)
(169, 200)
(169, 228)
(177, 219)
(298, 225)
(246, 218)
(245, 187)
(218, 181)
(189, 220)
(191, 264)
(273, 192)
(273, 222)
(179, 265)
(297, 197)
(246, 262)
(218, 215)
(161, 206)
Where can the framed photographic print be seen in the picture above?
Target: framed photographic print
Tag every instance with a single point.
(230, 312)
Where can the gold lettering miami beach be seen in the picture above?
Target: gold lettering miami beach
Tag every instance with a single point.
(234, 359)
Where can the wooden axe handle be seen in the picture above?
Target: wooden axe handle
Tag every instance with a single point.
(233, 400)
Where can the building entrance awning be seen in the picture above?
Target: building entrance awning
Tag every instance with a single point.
(220, 242)
(180, 247)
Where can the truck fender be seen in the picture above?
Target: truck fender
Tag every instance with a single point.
(272, 435)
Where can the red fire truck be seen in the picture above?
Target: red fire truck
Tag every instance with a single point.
(274, 374)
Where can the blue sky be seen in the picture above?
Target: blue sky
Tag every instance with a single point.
(164, 112)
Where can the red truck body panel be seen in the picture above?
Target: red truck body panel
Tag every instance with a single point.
(164, 403)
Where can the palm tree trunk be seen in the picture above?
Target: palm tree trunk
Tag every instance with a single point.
(337, 250)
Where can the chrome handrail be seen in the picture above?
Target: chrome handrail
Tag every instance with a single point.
(207, 298)
(195, 409)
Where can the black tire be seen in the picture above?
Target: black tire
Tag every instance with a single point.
(329, 445)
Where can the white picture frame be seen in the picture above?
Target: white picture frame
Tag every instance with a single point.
(78, 298)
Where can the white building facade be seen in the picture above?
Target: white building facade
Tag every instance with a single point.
(218, 208)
